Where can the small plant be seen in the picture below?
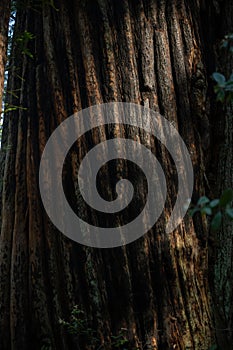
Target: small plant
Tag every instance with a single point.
(78, 325)
(9, 107)
(22, 40)
(227, 42)
(223, 87)
(119, 341)
(216, 208)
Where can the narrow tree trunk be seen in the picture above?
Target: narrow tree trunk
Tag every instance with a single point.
(221, 251)
(4, 21)
(147, 52)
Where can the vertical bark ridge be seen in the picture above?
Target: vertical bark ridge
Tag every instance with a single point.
(92, 81)
(109, 69)
(130, 86)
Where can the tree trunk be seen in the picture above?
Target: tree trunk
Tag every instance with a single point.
(85, 53)
(4, 20)
(221, 252)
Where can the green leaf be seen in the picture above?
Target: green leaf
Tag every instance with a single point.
(10, 109)
(220, 95)
(206, 210)
(203, 200)
(214, 203)
(7, 148)
(229, 87)
(216, 221)
(226, 197)
(229, 212)
(229, 98)
(193, 211)
(224, 44)
(219, 78)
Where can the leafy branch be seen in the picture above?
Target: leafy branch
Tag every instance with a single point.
(78, 325)
(223, 87)
(23, 40)
(11, 107)
(227, 42)
(216, 208)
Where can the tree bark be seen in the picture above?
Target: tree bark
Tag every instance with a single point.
(86, 53)
(221, 249)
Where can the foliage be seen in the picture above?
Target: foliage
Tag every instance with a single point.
(223, 87)
(216, 208)
(46, 347)
(23, 40)
(78, 325)
(10, 107)
(117, 341)
(227, 42)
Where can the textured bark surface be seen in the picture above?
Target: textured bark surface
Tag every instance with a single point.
(88, 52)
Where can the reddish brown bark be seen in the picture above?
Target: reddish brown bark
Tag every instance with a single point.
(146, 52)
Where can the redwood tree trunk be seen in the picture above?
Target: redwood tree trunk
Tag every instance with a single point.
(85, 53)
